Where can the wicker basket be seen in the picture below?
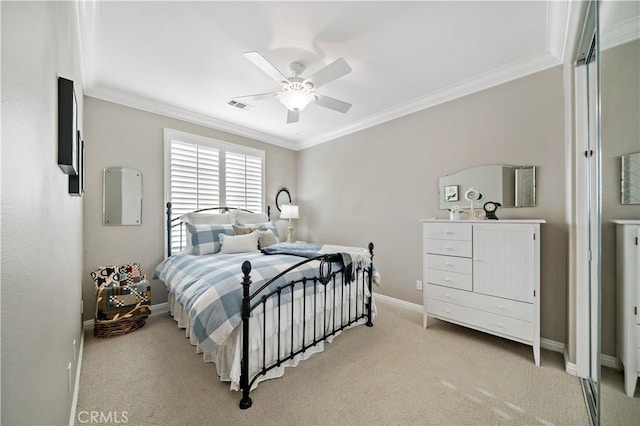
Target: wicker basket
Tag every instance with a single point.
(116, 328)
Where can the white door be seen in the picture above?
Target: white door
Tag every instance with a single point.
(503, 261)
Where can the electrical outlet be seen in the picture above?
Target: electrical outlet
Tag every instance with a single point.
(418, 285)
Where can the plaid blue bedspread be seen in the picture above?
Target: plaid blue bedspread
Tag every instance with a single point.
(209, 287)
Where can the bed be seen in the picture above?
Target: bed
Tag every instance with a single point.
(253, 305)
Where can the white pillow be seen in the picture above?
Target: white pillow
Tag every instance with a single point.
(207, 218)
(239, 243)
(248, 218)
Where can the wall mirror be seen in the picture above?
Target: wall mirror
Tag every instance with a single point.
(630, 179)
(511, 186)
(121, 196)
(282, 197)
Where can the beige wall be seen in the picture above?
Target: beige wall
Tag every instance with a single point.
(378, 183)
(41, 222)
(620, 109)
(117, 135)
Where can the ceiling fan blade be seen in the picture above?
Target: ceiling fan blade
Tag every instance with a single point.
(333, 71)
(258, 97)
(332, 103)
(292, 116)
(266, 66)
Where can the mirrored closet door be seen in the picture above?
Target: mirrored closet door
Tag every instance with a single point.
(620, 134)
(607, 77)
(589, 206)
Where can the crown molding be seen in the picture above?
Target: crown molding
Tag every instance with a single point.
(493, 78)
(155, 107)
(621, 33)
(86, 31)
(558, 31)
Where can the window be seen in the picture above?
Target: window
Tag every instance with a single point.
(202, 172)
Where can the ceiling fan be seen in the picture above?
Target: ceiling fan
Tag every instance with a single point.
(298, 92)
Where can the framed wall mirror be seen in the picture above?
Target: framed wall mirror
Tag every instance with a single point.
(511, 186)
(282, 197)
(121, 196)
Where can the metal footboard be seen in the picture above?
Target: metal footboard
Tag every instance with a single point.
(337, 282)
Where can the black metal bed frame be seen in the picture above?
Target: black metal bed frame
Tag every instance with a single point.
(327, 276)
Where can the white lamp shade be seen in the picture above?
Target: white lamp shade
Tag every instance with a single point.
(296, 100)
(289, 212)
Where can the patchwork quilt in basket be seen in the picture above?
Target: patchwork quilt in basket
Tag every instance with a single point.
(122, 292)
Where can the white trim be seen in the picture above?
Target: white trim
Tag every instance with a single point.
(569, 367)
(558, 29)
(487, 80)
(620, 33)
(552, 345)
(609, 361)
(155, 107)
(76, 390)
(548, 344)
(558, 14)
(407, 305)
(581, 229)
(157, 309)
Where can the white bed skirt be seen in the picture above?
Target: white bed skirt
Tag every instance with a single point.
(227, 357)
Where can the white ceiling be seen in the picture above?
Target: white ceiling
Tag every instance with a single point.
(184, 59)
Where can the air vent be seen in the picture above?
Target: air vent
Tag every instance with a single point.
(238, 104)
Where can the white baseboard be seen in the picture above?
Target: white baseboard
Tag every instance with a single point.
(408, 305)
(548, 344)
(569, 367)
(609, 361)
(157, 309)
(76, 390)
(552, 345)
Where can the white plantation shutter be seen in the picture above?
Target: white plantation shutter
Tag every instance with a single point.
(243, 181)
(194, 177)
(202, 172)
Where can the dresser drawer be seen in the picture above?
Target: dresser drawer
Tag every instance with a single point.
(483, 321)
(462, 265)
(449, 279)
(448, 247)
(448, 231)
(495, 305)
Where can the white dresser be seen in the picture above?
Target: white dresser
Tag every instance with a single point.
(628, 300)
(484, 275)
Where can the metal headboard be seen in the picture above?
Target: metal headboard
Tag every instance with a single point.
(172, 223)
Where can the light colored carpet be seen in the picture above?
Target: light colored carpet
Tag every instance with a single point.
(393, 373)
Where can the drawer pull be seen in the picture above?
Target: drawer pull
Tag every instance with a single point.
(447, 295)
(500, 325)
(448, 232)
(448, 311)
(448, 264)
(500, 306)
(448, 248)
(447, 279)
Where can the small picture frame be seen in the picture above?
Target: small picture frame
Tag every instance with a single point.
(451, 193)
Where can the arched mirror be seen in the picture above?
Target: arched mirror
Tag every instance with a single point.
(282, 197)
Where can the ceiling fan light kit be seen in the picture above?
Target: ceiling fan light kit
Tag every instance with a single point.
(297, 92)
(295, 99)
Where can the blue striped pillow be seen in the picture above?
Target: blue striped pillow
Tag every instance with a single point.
(205, 238)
